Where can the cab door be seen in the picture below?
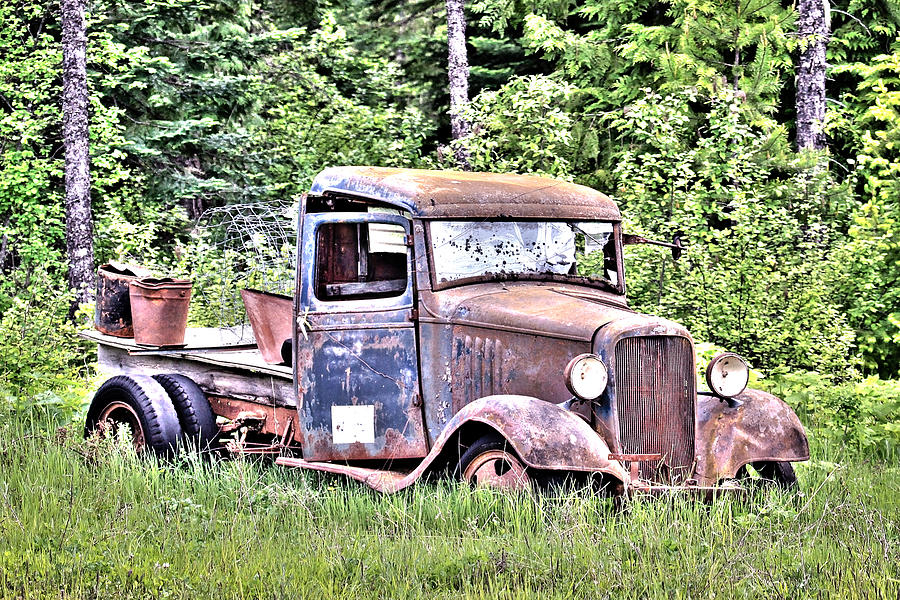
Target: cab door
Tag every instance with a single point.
(356, 353)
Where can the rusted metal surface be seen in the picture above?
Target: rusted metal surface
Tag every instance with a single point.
(247, 422)
(436, 375)
(498, 469)
(550, 311)
(487, 361)
(543, 436)
(648, 405)
(503, 342)
(113, 312)
(122, 413)
(360, 395)
(502, 338)
(432, 194)
(159, 308)
(392, 366)
(655, 399)
(757, 427)
(357, 360)
(273, 420)
(513, 338)
(271, 320)
(635, 457)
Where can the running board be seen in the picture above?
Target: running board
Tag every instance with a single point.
(377, 479)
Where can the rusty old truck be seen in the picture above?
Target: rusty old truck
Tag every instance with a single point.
(467, 325)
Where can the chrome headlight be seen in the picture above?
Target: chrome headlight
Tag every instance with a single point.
(727, 375)
(586, 376)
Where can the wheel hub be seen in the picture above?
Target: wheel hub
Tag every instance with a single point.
(496, 469)
(121, 414)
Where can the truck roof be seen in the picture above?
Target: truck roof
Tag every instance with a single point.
(457, 194)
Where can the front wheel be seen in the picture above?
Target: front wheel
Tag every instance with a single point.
(491, 462)
(773, 473)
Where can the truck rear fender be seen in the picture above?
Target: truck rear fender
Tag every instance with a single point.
(753, 427)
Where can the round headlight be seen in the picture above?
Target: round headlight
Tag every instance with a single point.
(727, 375)
(586, 376)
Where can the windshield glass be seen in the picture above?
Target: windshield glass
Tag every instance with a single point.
(511, 249)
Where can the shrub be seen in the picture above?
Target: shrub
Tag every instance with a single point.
(42, 361)
(861, 416)
(761, 231)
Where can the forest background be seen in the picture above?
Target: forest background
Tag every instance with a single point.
(209, 119)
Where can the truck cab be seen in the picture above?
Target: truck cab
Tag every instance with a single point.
(477, 324)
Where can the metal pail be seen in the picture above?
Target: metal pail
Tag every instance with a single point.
(159, 308)
(271, 320)
(112, 315)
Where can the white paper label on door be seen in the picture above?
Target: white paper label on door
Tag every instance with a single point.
(350, 424)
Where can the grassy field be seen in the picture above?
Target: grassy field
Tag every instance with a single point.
(81, 521)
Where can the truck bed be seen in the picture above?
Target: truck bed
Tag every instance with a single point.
(223, 361)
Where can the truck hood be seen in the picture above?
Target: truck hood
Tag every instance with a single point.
(560, 311)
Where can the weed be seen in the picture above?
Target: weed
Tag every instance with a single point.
(89, 518)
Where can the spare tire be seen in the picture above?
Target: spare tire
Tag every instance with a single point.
(195, 415)
(139, 403)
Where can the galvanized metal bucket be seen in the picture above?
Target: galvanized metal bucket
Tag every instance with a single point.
(113, 312)
(270, 317)
(159, 308)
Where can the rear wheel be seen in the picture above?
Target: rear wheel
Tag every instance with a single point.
(140, 405)
(770, 473)
(491, 462)
(195, 415)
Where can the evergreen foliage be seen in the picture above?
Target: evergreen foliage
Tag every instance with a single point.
(678, 108)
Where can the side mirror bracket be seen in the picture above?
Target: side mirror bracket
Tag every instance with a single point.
(676, 245)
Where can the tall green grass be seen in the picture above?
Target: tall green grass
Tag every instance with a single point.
(82, 520)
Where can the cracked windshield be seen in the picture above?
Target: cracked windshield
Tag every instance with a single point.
(511, 249)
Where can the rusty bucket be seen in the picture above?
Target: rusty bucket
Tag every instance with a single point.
(113, 313)
(270, 318)
(159, 308)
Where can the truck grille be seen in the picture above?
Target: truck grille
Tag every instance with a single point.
(655, 403)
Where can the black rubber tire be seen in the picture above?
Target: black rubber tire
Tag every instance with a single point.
(772, 473)
(194, 412)
(150, 402)
(778, 473)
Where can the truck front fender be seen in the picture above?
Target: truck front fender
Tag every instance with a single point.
(544, 435)
(753, 427)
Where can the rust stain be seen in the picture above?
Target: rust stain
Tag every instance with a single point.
(433, 194)
(271, 320)
(755, 427)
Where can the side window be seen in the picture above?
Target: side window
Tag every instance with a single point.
(358, 261)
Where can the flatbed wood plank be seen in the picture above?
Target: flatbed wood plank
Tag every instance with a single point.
(196, 338)
(225, 374)
(235, 355)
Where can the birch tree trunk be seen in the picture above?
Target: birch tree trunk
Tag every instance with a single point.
(458, 72)
(812, 27)
(79, 230)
